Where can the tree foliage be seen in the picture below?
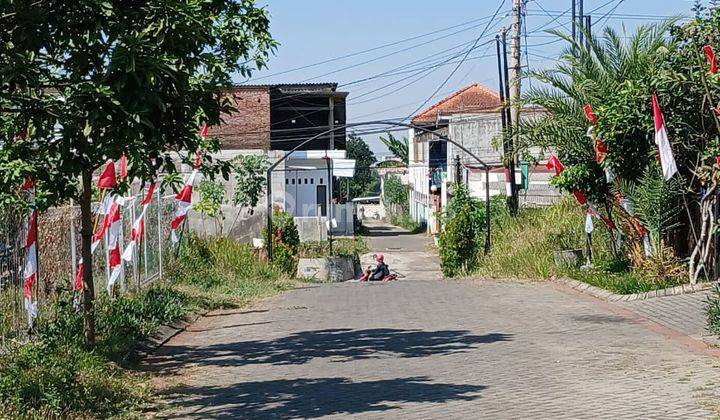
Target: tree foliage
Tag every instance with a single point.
(366, 180)
(462, 238)
(399, 148)
(250, 180)
(83, 82)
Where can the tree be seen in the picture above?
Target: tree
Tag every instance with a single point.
(399, 148)
(83, 82)
(617, 75)
(366, 180)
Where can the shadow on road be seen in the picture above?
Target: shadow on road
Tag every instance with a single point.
(342, 345)
(312, 398)
(375, 231)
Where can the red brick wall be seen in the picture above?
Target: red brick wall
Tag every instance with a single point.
(249, 126)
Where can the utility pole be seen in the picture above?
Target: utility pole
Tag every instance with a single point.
(574, 19)
(588, 29)
(507, 145)
(331, 121)
(514, 96)
(580, 19)
(458, 168)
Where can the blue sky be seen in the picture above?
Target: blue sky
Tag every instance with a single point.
(311, 31)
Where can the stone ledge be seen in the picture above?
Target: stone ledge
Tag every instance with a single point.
(614, 297)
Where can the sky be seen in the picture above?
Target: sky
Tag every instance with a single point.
(412, 49)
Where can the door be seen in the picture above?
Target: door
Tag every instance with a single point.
(321, 199)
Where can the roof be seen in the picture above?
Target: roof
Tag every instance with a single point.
(475, 98)
(290, 86)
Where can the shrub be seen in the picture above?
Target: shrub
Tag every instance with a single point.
(462, 239)
(55, 376)
(286, 240)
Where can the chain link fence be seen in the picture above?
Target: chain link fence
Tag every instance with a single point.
(59, 252)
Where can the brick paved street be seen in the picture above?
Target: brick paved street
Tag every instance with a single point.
(684, 313)
(429, 349)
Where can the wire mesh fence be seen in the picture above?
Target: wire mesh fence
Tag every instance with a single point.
(59, 251)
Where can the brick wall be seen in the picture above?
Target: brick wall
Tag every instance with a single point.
(249, 126)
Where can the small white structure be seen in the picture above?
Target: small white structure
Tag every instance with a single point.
(308, 193)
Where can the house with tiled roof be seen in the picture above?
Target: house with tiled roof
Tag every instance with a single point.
(471, 117)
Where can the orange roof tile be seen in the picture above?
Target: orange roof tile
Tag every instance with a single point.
(475, 98)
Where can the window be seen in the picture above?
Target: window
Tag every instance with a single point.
(293, 181)
(312, 181)
(305, 181)
(287, 181)
(320, 181)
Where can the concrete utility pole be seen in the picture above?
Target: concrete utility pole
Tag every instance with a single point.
(588, 29)
(574, 19)
(515, 31)
(581, 18)
(331, 122)
(458, 168)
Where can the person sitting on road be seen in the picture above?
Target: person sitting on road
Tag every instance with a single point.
(380, 272)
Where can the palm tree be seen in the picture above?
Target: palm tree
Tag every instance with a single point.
(594, 74)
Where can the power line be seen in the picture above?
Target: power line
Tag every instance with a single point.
(390, 44)
(502, 2)
(607, 15)
(391, 54)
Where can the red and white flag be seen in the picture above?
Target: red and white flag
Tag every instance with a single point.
(589, 114)
(78, 282)
(184, 199)
(554, 164)
(31, 255)
(667, 161)
(107, 178)
(710, 55)
(123, 166)
(114, 227)
(138, 228)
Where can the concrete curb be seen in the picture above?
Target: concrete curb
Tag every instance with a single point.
(613, 297)
(163, 334)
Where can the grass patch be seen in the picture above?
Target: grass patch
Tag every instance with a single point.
(54, 376)
(221, 274)
(403, 220)
(522, 247)
(347, 247)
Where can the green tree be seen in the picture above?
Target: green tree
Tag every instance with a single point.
(399, 148)
(81, 82)
(462, 238)
(366, 180)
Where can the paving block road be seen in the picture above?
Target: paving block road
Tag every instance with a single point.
(432, 349)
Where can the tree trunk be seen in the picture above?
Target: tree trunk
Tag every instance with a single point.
(86, 233)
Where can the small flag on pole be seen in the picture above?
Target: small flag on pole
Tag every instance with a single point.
(667, 161)
(138, 228)
(107, 178)
(554, 164)
(123, 166)
(184, 198)
(589, 114)
(710, 55)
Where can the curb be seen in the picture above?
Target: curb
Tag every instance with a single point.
(614, 297)
(163, 334)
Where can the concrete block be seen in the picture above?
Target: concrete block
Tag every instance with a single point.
(333, 269)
